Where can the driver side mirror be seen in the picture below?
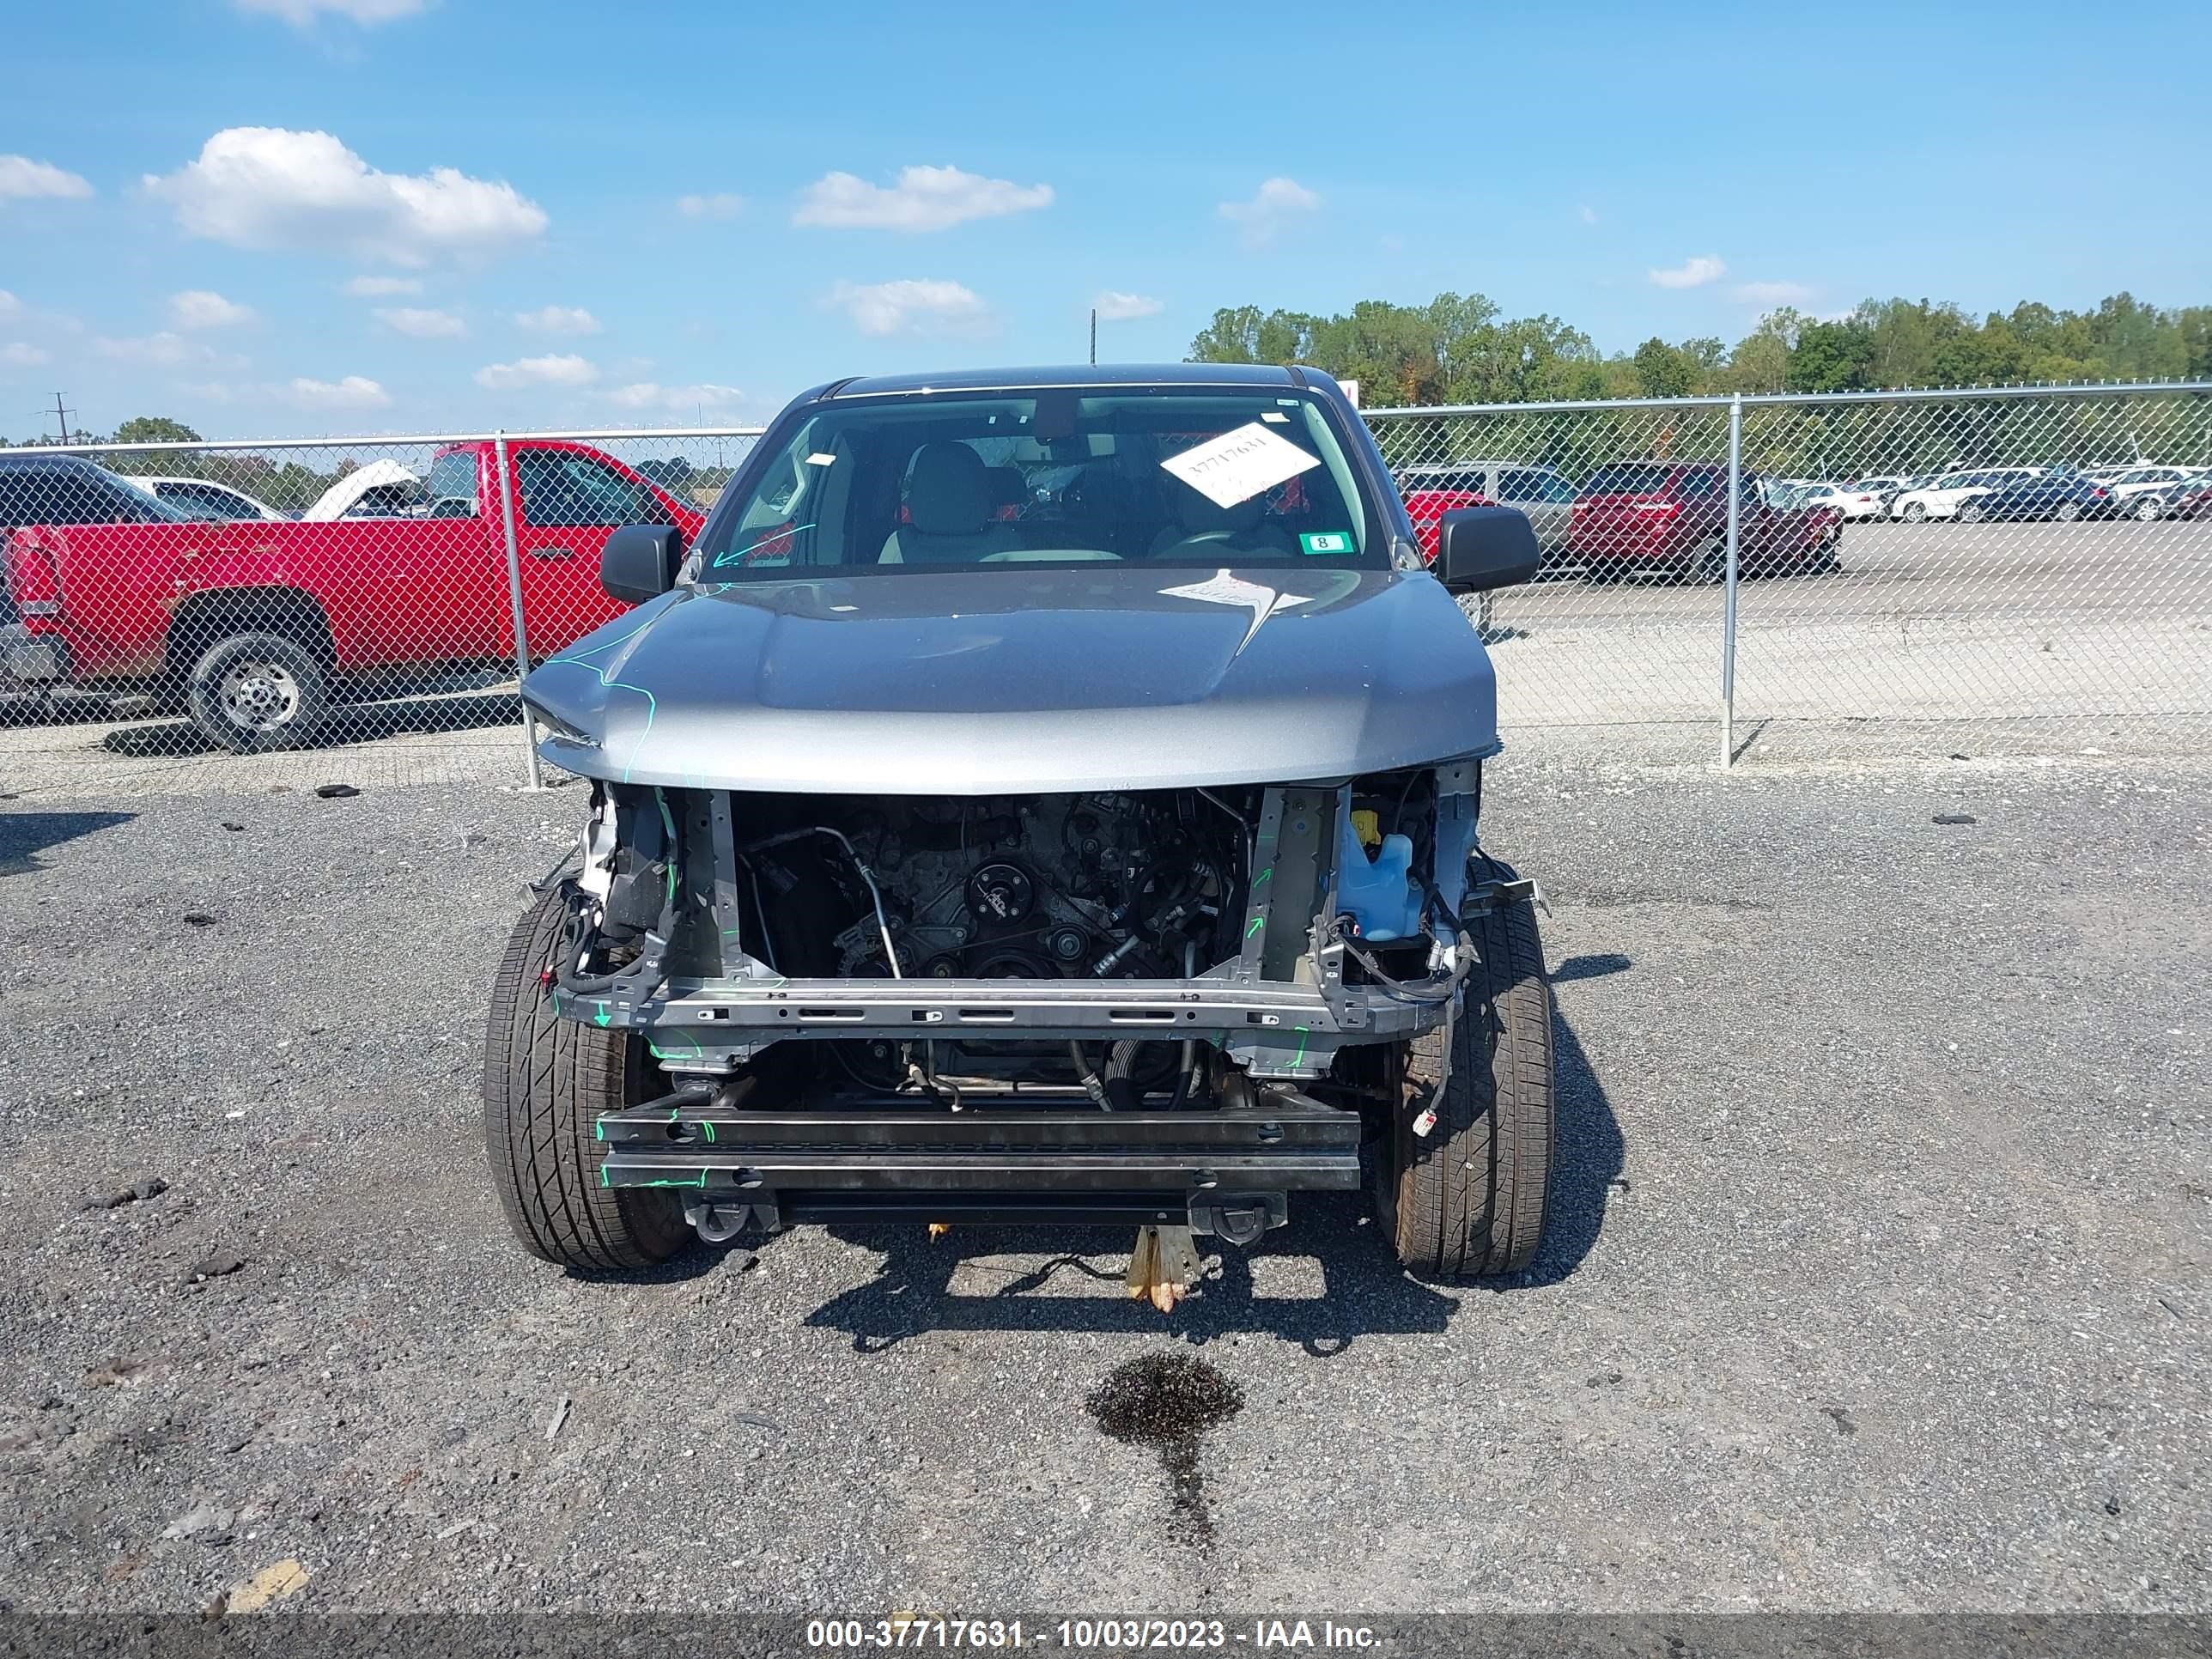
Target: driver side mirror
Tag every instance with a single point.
(1479, 548)
(639, 561)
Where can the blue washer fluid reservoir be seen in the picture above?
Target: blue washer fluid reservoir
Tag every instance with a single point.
(1378, 892)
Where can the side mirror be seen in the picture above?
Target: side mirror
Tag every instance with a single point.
(639, 561)
(1479, 548)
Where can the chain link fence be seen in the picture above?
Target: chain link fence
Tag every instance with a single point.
(1774, 575)
(1996, 570)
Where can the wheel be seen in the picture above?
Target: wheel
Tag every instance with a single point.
(255, 692)
(1915, 511)
(2148, 509)
(1823, 562)
(545, 1082)
(2067, 512)
(1706, 564)
(1970, 513)
(1468, 1200)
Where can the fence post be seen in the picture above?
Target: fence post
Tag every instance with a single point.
(505, 483)
(1728, 596)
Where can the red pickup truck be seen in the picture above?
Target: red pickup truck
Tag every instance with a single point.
(1672, 517)
(257, 629)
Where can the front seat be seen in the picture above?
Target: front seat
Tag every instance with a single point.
(951, 509)
(1202, 526)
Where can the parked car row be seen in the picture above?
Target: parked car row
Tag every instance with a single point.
(1659, 516)
(1972, 494)
(381, 490)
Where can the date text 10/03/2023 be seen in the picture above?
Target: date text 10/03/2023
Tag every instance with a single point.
(913, 1631)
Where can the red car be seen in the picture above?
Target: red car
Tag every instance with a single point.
(1432, 491)
(2189, 500)
(1672, 517)
(257, 629)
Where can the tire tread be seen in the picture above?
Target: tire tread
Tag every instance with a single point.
(546, 1080)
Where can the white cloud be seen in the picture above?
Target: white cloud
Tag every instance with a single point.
(200, 307)
(302, 14)
(925, 198)
(376, 288)
(720, 205)
(1272, 206)
(1690, 273)
(1589, 213)
(17, 355)
(421, 322)
(646, 395)
(559, 319)
(353, 391)
(10, 305)
(909, 304)
(536, 371)
(270, 187)
(1116, 306)
(1772, 293)
(21, 179)
(164, 350)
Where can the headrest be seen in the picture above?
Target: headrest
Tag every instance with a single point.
(1009, 486)
(948, 491)
(1199, 514)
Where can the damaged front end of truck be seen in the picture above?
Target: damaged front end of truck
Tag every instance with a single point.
(1172, 1006)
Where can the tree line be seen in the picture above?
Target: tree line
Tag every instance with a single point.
(1461, 348)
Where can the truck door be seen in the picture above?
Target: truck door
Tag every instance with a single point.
(569, 501)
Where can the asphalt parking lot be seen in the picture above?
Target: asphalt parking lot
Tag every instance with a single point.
(1877, 1277)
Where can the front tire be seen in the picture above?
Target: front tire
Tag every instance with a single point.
(1468, 1200)
(252, 693)
(1915, 511)
(546, 1080)
(2067, 512)
(2148, 510)
(1970, 513)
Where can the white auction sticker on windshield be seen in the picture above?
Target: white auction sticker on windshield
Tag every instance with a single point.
(1238, 466)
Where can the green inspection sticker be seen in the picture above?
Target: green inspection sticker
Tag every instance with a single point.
(1326, 541)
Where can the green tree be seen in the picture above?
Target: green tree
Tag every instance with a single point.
(1665, 371)
(1461, 348)
(1832, 357)
(154, 429)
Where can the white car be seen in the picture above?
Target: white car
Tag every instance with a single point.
(199, 498)
(1849, 500)
(2142, 489)
(1943, 497)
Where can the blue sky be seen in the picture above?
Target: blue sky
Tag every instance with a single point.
(265, 216)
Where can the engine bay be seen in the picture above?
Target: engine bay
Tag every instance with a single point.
(1244, 914)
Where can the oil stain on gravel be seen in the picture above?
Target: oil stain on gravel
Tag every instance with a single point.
(1167, 1400)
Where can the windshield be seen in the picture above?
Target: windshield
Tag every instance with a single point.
(1199, 476)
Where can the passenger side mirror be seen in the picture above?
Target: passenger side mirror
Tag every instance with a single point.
(639, 561)
(1479, 548)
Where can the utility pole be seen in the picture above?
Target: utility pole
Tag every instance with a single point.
(1094, 336)
(62, 415)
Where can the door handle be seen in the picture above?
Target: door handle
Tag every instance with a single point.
(552, 552)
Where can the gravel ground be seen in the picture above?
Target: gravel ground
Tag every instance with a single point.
(1877, 1277)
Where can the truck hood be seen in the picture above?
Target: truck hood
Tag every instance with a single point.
(974, 683)
(346, 494)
